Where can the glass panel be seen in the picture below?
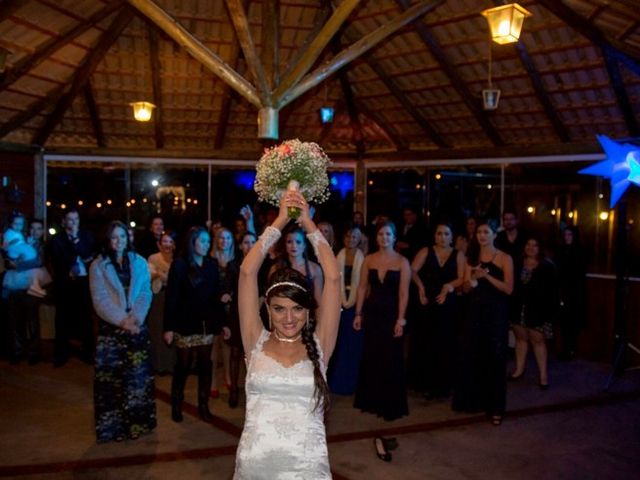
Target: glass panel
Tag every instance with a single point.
(550, 196)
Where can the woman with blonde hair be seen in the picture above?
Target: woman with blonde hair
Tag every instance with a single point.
(343, 371)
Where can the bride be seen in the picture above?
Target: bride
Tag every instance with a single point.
(287, 393)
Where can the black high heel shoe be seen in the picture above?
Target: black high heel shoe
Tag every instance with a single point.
(381, 449)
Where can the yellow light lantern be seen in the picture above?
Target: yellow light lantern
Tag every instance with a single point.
(142, 111)
(505, 22)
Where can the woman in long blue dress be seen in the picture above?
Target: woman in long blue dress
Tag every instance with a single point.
(343, 371)
(488, 277)
(383, 294)
(124, 384)
(437, 272)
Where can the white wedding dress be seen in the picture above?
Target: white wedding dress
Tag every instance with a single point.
(283, 437)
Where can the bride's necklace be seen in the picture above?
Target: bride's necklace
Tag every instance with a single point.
(285, 339)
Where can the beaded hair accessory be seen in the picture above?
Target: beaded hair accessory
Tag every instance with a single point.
(288, 284)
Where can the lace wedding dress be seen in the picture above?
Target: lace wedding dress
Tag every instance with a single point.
(283, 437)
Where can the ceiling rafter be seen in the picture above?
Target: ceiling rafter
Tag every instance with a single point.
(539, 89)
(243, 34)
(270, 41)
(392, 135)
(90, 101)
(347, 92)
(472, 102)
(614, 47)
(355, 50)
(197, 49)
(81, 76)
(228, 93)
(617, 83)
(44, 51)
(320, 18)
(37, 108)
(315, 48)
(156, 84)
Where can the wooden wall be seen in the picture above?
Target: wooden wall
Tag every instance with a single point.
(20, 168)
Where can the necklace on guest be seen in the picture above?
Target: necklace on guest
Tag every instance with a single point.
(285, 339)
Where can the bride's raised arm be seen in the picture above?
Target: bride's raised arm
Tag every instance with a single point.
(248, 303)
(328, 312)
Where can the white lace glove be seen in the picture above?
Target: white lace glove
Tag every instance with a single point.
(268, 238)
(316, 238)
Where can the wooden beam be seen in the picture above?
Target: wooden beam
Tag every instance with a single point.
(387, 127)
(270, 38)
(472, 102)
(48, 48)
(399, 95)
(197, 49)
(626, 55)
(352, 110)
(363, 45)
(315, 48)
(241, 24)
(95, 117)
(319, 20)
(541, 94)
(154, 60)
(8, 8)
(617, 83)
(82, 74)
(228, 92)
(21, 118)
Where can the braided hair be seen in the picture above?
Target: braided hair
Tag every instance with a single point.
(305, 299)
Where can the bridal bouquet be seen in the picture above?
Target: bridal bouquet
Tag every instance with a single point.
(293, 165)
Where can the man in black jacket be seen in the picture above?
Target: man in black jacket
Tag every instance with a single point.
(70, 252)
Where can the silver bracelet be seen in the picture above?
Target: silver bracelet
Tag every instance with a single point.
(268, 238)
(316, 238)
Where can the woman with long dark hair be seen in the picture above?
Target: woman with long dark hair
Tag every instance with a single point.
(437, 271)
(124, 385)
(287, 393)
(193, 316)
(535, 303)
(488, 277)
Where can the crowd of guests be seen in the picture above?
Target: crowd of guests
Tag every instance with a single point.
(427, 312)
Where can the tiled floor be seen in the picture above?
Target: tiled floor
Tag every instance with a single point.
(572, 431)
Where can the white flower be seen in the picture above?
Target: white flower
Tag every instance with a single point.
(305, 162)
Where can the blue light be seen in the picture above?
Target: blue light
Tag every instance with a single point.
(621, 166)
(342, 182)
(244, 178)
(326, 114)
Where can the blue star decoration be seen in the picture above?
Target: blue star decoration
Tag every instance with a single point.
(621, 166)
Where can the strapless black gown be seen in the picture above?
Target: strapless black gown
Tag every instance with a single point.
(381, 384)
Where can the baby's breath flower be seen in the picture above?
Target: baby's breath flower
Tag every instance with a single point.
(305, 162)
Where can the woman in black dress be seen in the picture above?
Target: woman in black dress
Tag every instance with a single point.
(488, 277)
(192, 317)
(383, 293)
(437, 272)
(535, 302)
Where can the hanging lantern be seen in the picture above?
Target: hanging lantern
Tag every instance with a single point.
(506, 22)
(490, 98)
(142, 111)
(326, 114)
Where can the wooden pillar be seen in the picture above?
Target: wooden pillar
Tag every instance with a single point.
(360, 184)
(39, 187)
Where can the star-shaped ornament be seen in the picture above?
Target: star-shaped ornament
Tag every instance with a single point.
(621, 166)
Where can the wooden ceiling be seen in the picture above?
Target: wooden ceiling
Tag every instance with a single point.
(75, 65)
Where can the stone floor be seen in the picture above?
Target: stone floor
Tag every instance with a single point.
(574, 430)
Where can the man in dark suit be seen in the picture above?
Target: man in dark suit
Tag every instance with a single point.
(70, 252)
(511, 240)
(412, 235)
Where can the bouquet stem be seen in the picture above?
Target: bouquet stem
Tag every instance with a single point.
(293, 212)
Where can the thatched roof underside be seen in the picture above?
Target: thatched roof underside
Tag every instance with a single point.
(75, 65)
